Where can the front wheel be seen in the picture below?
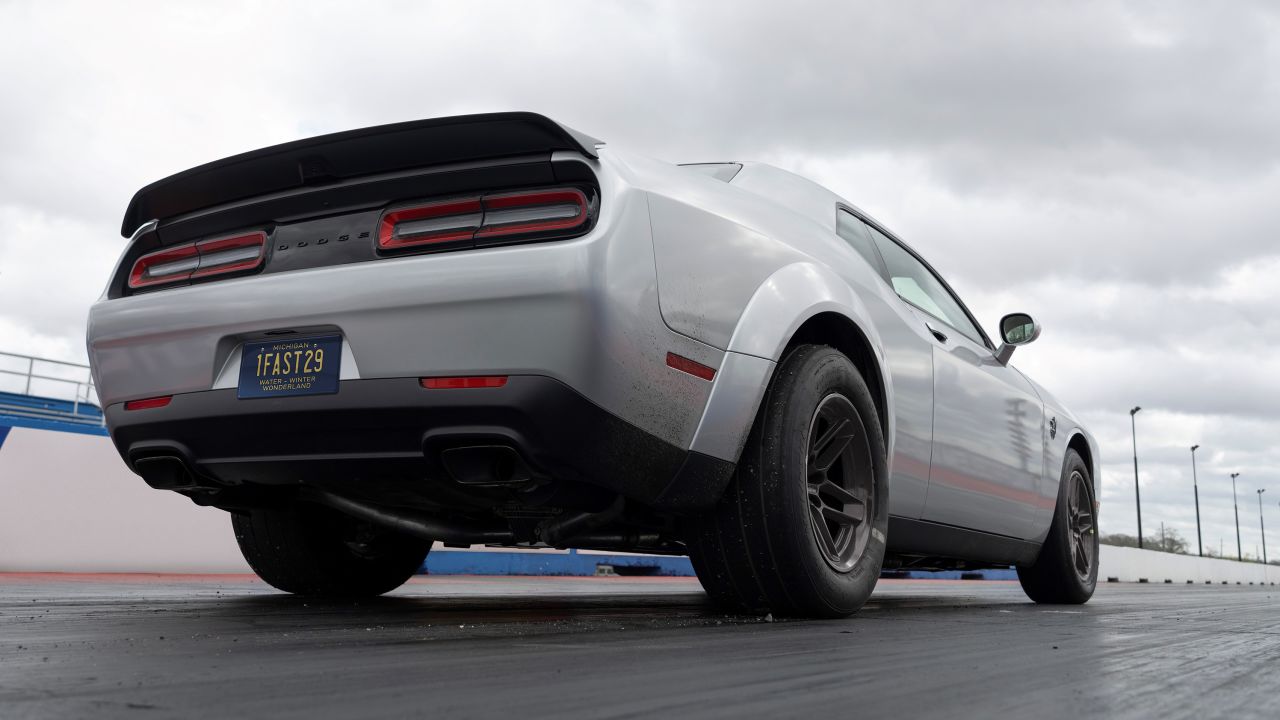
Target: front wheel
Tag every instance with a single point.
(1066, 571)
(801, 529)
(311, 550)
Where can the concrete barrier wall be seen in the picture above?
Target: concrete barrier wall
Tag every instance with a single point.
(68, 504)
(1134, 565)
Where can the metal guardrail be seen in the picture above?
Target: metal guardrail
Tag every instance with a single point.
(46, 371)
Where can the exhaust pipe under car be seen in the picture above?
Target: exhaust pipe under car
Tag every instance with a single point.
(165, 472)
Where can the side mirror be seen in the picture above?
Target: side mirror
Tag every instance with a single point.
(1016, 329)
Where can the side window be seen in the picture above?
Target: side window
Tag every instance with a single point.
(856, 233)
(916, 284)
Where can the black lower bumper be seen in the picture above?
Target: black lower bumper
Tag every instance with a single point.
(394, 428)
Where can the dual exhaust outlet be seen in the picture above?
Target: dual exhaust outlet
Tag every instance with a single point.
(474, 466)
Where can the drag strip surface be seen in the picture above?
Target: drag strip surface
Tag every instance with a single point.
(221, 646)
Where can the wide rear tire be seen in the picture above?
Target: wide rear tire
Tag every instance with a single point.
(1066, 571)
(311, 550)
(801, 528)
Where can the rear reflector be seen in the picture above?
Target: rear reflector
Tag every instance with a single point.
(218, 256)
(684, 364)
(463, 383)
(148, 403)
(463, 222)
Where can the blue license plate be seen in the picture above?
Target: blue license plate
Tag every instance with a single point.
(294, 366)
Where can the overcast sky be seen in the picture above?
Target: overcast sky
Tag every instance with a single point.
(1114, 169)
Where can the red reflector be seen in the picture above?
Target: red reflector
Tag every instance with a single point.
(463, 383)
(148, 403)
(436, 223)
(684, 364)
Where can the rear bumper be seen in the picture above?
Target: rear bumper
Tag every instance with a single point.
(376, 430)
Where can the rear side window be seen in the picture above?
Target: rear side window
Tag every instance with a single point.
(916, 283)
(857, 234)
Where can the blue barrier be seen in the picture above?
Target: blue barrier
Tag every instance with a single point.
(996, 574)
(42, 413)
(515, 562)
(8, 421)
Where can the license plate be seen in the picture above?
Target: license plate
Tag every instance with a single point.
(296, 366)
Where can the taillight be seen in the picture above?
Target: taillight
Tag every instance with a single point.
(489, 219)
(166, 266)
(231, 254)
(441, 224)
(217, 256)
(533, 212)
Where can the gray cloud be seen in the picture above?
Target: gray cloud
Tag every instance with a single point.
(1111, 167)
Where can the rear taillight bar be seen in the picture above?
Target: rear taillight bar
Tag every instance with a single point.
(216, 256)
(489, 219)
(442, 224)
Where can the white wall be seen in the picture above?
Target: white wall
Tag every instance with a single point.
(1133, 565)
(69, 504)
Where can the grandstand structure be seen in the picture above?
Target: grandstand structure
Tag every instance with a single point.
(48, 395)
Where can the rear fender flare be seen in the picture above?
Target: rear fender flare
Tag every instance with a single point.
(780, 306)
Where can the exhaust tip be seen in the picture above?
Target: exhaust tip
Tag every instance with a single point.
(164, 472)
(486, 465)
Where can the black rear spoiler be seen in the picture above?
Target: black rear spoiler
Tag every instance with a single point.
(330, 158)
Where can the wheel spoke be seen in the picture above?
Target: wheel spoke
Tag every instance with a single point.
(827, 448)
(844, 518)
(820, 530)
(1082, 556)
(837, 493)
(812, 490)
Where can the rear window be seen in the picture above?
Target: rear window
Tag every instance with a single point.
(723, 172)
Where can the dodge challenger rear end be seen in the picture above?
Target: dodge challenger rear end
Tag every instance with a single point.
(491, 329)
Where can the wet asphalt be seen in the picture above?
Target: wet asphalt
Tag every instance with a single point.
(74, 646)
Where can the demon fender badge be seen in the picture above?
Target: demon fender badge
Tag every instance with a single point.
(1053, 427)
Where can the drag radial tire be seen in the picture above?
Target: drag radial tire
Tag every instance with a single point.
(1066, 570)
(801, 529)
(311, 550)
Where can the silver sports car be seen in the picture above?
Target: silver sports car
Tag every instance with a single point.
(494, 329)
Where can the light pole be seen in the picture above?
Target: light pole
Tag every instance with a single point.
(1137, 492)
(1236, 503)
(1263, 524)
(1196, 486)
